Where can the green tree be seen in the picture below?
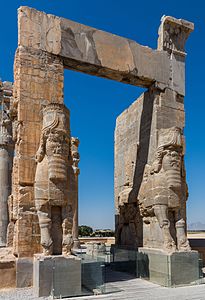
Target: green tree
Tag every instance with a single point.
(84, 230)
(103, 233)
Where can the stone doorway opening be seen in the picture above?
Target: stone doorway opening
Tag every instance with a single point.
(94, 104)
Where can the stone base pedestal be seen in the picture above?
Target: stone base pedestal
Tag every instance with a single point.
(7, 274)
(124, 260)
(24, 272)
(59, 276)
(93, 275)
(7, 268)
(178, 268)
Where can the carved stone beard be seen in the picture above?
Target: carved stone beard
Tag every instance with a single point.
(171, 164)
(57, 151)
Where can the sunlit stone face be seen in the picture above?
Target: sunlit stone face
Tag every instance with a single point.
(171, 164)
(56, 141)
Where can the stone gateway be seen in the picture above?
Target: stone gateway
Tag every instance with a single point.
(39, 157)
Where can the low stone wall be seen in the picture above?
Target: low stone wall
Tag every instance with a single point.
(106, 240)
(197, 242)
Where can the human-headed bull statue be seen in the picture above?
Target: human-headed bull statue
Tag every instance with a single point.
(163, 192)
(51, 181)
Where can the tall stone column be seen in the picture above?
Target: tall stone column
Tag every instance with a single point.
(76, 158)
(4, 193)
(38, 82)
(6, 146)
(157, 113)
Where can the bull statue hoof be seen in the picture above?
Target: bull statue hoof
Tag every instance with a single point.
(169, 246)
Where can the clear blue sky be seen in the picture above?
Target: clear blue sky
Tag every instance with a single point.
(95, 102)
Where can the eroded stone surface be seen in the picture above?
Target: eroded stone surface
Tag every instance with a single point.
(7, 268)
(46, 192)
(173, 34)
(138, 137)
(53, 206)
(6, 156)
(74, 188)
(57, 276)
(163, 193)
(38, 82)
(93, 51)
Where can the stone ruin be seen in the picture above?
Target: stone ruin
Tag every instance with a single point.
(39, 158)
(6, 155)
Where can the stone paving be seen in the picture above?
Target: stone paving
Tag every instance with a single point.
(126, 288)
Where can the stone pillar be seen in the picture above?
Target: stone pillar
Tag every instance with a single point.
(6, 147)
(4, 193)
(38, 82)
(56, 275)
(54, 208)
(76, 158)
(157, 113)
(133, 146)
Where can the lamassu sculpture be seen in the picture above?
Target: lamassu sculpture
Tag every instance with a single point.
(163, 192)
(51, 181)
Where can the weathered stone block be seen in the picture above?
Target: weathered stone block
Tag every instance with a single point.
(29, 136)
(47, 44)
(178, 268)
(7, 274)
(93, 274)
(26, 171)
(24, 272)
(26, 235)
(29, 115)
(59, 276)
(46, 27)
(92, 51)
